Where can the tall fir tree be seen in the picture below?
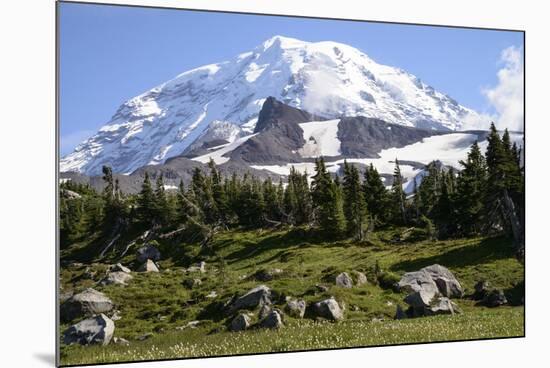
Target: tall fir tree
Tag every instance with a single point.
(355, 206)
(470, 192)
(376, 196)
(398, 195)
(327, 202)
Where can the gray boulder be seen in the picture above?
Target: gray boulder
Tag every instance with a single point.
(443, 305)
(267, 275)
(416, 281)
(419, 300)
(148, 266)
(344, 280)
(148, 252)
(446, 282)
(87, 303)
(328, 309)
(360, 278)
(273, 320)
(117, 278)
(296, 308)
(481, 290)
(495, 298)
(258, 296)
(120, 268)
(434, 278)
(96, 330)
(264, 311)
(240, 323)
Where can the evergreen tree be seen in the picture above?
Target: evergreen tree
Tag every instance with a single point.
(398, 195)
(376, 195)
(355, 207)
(146, 202)
(327, 201)
(470, 191)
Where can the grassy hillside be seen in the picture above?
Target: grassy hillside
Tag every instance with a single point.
(160, 303)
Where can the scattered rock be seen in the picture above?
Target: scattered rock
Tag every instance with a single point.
(117, 278)
(258, 296)
(148, 252)
(96, 330)
(321, 288)
(432, 279)
(419, 300)
(116, 316)
(240, 323)
(344, 280)
(191, 324)
(148, 266)
(264, 311)
(192, 283)
(328, 309)
(63, 297)
(412, 282)
(267, 275)
(360, 278)
(495, 298)
(120, 268)
(87, 303)
(145, 336)
(120, 341)
(481, 290)
(446, 282)
(443, 305)
(296, 308)
(273, 320)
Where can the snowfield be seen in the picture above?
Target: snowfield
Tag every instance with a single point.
(321, 139)
(218, 151)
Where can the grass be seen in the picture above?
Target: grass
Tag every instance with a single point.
(159, 303)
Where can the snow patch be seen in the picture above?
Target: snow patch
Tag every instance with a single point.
(321, 139)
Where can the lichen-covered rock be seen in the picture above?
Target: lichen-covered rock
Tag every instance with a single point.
(95, 330)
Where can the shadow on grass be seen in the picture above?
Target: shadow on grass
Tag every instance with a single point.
(292, 239)
(472, 254)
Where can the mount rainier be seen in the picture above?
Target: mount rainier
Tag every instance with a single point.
(218, 104)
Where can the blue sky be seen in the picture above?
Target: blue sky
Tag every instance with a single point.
(109, 54)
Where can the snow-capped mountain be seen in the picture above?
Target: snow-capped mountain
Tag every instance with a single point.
(325, 78)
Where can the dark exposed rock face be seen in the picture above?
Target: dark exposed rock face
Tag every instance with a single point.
(365, 137)
(279, 135)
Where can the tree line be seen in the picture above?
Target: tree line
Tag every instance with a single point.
(486, 196)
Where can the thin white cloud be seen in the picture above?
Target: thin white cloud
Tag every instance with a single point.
(507, 96)
(68, 142)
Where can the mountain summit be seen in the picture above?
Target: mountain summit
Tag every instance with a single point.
(328, 79)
